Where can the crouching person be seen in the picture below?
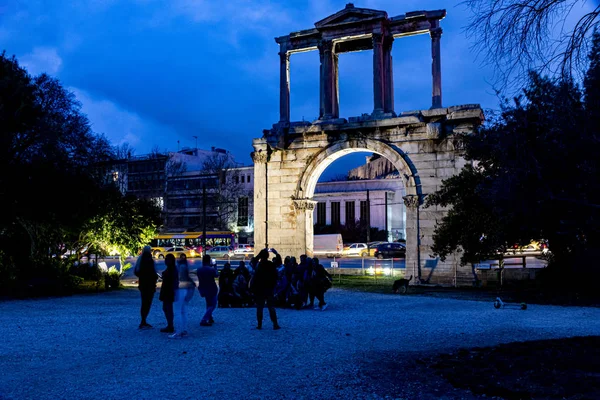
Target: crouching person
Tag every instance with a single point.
(208, 289)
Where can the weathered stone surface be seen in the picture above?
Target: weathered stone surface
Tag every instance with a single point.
(419, 144)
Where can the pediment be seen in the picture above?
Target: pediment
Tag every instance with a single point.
(350, 14)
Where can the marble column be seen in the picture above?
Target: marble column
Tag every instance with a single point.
(413, 236)
(336, 89)
(388, 67)
(436, 66)
(378, 72)
(321, 84)
(328, 77)
(304, 209)
(284, 86)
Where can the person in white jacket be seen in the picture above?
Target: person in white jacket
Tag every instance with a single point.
(184, 295)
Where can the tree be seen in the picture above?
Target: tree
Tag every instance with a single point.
(53, 181)
(517, 36)
(533, 175)
(223, 197)
(46, 144)
(124, 227)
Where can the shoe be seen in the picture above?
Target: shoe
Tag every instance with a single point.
(324, 307)
(204, 323)
(176, 335)
(316, 308)
(259, 327)
(276, 327)
(145, 326)
(184, 333)
(168, 329)
(211, 320)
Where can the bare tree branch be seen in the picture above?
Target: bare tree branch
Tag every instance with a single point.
(516, 36)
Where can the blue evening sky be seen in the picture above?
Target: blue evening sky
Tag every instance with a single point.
(154, 72)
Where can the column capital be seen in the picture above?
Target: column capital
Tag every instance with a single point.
(377, 39)
(412, 201)
(304, 204)
(284, 56)
(259, 157)
(325, 46)
(388, 41)
(436, 33)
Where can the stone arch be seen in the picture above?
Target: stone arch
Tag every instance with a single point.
(319, 162)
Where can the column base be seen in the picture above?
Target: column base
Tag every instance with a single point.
(330, 120)
(380, 114)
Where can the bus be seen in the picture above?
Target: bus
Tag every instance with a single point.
(191, 240)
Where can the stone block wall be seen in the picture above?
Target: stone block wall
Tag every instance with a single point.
(421, 146)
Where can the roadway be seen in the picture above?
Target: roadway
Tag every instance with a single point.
(532, 261)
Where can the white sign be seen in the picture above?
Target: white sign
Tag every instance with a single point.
(334, 264)
(103, 267)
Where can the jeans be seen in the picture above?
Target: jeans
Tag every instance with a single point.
(183, 298)
(211, 304)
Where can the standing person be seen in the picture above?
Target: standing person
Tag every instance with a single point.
(146, 272)
(321, 283)
(208, 289)
(263, 285)
(184, 295)
(170, 284)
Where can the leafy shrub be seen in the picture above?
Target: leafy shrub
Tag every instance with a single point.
(89, 272)
(113, 276)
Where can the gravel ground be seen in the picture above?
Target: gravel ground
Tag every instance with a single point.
(88, 346)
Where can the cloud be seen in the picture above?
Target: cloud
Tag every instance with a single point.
(121, 126)
(42, 59)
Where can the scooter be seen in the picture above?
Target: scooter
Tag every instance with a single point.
(498, 303)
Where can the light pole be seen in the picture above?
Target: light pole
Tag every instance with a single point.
(196, 137)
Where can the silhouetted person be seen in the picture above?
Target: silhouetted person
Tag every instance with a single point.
(170, 284)
(262, 285)
(146, 272)
(226, 286)
(208, 289)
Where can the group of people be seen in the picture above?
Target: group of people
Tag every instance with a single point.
(176, 291)
(297, 284)
(263, 283)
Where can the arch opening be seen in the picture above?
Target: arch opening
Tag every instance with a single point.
(362, 198)
(310, 177)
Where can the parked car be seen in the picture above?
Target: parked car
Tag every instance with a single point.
(220, 252)
(244, 249)
(356, 249)
(390, 250)
(373, 247)
(176, 251)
